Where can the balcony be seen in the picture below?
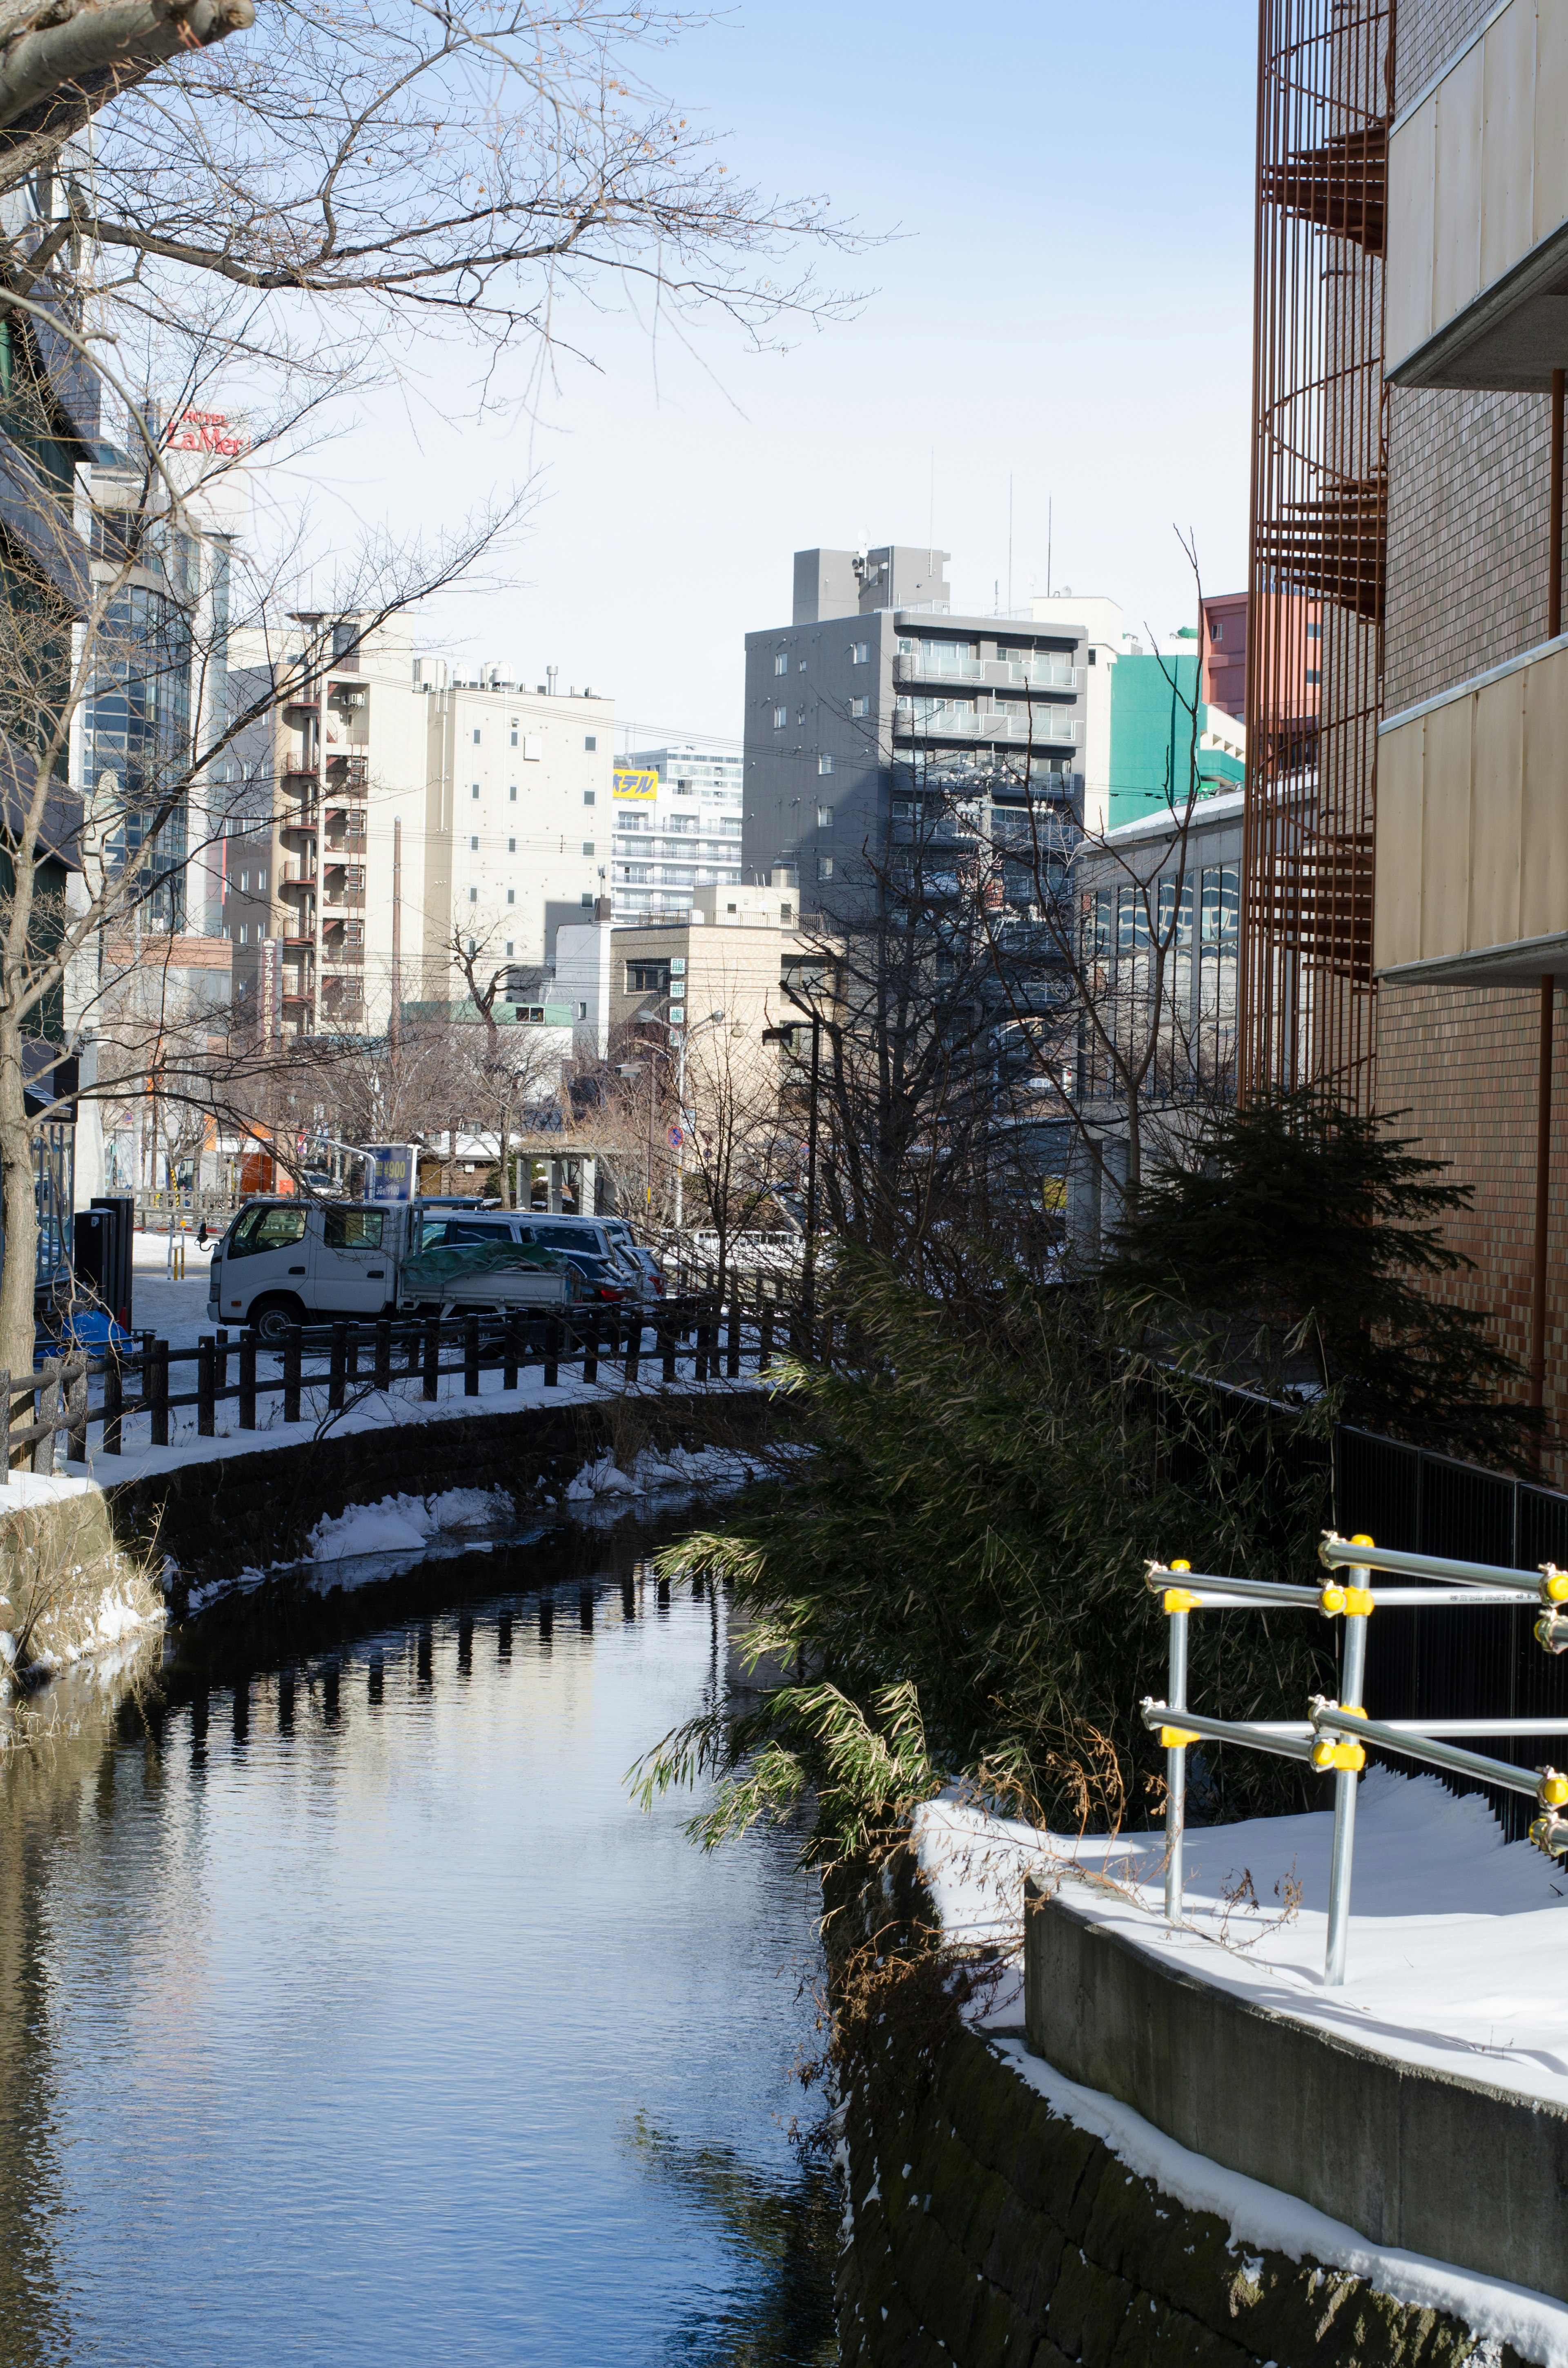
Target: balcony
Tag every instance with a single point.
(347, 772)
(1470, 879)
(344, 900)
(297, 875)
(301, 824)
(301, 941)
(1044, 726)
(1478, 212)
(1047, 673)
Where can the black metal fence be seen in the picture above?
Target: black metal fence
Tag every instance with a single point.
(322, 1371)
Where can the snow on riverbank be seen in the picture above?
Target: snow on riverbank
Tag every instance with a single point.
(398, 1522)
(1457, 1937)
(1455, 1955)
(654, 1468)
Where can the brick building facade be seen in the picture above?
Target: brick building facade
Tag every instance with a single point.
(1470, 905)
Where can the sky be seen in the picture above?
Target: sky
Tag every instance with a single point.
(1055, 325)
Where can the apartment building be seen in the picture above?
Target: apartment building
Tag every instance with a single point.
(405, 812)
(726, 950)
(1471, 888)
(876, 705)
(677, 826)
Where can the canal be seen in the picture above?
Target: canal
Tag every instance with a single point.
(354, 2013)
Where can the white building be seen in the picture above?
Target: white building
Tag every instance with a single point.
(677, 826)
(408, 811)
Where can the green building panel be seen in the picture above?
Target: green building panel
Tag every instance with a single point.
(1151, 735)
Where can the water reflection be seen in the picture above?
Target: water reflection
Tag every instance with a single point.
(333, 1982)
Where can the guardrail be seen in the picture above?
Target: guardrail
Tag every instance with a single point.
(699, 1340)
(1334, 1735)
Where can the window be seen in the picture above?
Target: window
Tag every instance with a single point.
(1314, 674)
(265, 1229)
(508, 945)
(244, 883)
(1218, 633)
(647, 977)
(859, 653)
(242, 939)
(476, 735)
(588, 797)
(581, 1012)
(511, 895)
(824, 764)
(780, 718)
(1314, 632)
(511, 847)
(474, 895)
(475, 792)
(514, 735)
(825, 817)
(587, 846)
(473, 844)
(800, 665)
(786, 912)
(824, 867)
(353, 1229)
(781, 663)
(592, 741)
(532, 749)
(588, 898)
(859, 707)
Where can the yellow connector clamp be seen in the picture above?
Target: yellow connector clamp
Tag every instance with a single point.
(1355, 1602)
(1181, 1598)
(1175, 1739)
(1552, 1790)
(1553, 1584)
(1337, 1755)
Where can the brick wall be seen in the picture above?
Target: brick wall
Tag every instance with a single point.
(1462, 1063)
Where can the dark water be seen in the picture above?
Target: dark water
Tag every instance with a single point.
(352, 2013)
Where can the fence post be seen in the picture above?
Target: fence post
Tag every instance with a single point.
(633, 1344)
(247, 1381)
(553, 1352)
(471, 1356)
(591, 1349)
(1352, 1680)
(48, 1409)
(509, 1352)
(765, 1343)
(384, 1353)
(667, 1349)
(205, 1388)
(220, 1361)
(352, 1348)
(76, 1404)
(337, 1366)
(433, 1356)
(114, 1400)
(159, 1391)
(733, 1364)
(292, 1346)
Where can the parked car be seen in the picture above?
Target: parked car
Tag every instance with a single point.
(647, 1265)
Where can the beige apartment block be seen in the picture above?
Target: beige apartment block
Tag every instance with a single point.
(730, 951)
(401, 812)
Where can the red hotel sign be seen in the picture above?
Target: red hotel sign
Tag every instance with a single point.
(204, 431)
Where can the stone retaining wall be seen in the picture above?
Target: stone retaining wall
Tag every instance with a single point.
(990, 2232)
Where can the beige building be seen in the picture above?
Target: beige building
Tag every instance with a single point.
(729, 951)
(397, 810)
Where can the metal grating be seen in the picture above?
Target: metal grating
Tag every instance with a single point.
(1319, 539)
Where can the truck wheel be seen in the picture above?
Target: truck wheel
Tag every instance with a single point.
(273, 1318)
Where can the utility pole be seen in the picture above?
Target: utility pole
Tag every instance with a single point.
(394, 1030)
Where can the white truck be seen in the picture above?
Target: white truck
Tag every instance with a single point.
(293, 1261)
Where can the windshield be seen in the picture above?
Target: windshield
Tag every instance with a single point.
(274, 1228)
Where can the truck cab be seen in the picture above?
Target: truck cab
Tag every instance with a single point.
(296, 1261)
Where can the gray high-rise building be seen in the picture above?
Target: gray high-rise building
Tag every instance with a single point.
(876, 700)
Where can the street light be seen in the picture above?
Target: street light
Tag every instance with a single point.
(636, 1069)
(808, 1276)
(712, 1020)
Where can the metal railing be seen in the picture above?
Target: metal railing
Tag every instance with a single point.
(1334, 1736)
(696, 1340)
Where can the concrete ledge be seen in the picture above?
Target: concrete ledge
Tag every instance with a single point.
(1415, 2158)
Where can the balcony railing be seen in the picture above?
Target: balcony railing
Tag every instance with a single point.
(301, 822)
(350, 771)
(1041, 727)
(297, 875)
(1049, 673)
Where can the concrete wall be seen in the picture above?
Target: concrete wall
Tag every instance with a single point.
(988, 2231)
(1411, 2157)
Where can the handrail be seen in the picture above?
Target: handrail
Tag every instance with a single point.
(1335, 1735)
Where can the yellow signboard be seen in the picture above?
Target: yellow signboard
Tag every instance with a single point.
(636, 785)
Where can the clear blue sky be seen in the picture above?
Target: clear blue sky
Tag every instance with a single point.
(1066, 300)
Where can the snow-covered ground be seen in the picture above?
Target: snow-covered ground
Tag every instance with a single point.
(1457, 1938)
(1456, 1949)
(176, 1312)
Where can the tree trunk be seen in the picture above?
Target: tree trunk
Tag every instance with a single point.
(19, 1268)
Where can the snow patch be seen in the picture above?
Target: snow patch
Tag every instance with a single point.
(400, 1523)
